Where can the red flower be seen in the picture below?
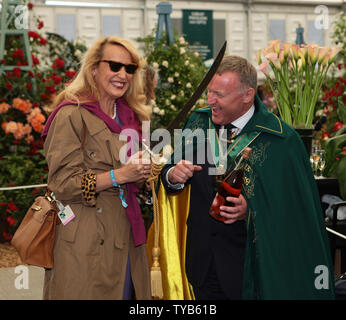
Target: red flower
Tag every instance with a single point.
(325, 135)
(11, 221)
(30, 73)
(9, 86)
(40, 24)
(29, 86)
(70, 73)
(2, 61)
(43, 96)
(43, 41)
(35, 60)
(16, 72)
(30, 5)
(12, 206)
(3, 204)
(59, 63)
(6, 236)
(337, 126)
(50, 89)
(18, 54)
(33, 34)
(56, 79)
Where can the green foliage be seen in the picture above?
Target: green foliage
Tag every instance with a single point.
(180, 71)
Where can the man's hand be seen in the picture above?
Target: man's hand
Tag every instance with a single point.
(238, 212)
(182, 172)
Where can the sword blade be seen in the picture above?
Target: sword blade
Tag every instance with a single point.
(198, 92)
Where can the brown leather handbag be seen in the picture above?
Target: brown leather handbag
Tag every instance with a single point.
(35, 236)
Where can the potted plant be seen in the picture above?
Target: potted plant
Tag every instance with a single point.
(295, 75)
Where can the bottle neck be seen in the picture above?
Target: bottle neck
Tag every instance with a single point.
(237, 167)
(238, 164)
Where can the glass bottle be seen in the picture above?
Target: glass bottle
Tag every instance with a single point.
(230, 187)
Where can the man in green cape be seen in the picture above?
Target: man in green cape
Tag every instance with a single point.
(273, 244)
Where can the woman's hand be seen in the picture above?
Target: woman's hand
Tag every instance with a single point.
(137, 169)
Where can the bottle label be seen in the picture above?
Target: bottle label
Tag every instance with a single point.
(231, 190)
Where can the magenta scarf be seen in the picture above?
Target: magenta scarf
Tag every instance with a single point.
(128, 120)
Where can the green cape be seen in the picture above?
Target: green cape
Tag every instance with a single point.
(287, 251)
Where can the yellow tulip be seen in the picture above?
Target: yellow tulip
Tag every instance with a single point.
(264, 68)
(282, 57)
(304, 51)
(313, 51)
(325, 60)
(333, 53)
(287, 48)
(300, 64)
(267, 50)
(273, 58)
(322, 53)
(276, 46)
(295, 50)
(302, 58)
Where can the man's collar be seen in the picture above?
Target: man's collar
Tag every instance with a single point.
(243, 120)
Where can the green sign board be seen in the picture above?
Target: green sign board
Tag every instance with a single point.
(198, 31)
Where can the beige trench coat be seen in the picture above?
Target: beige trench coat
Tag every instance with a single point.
(91, 251)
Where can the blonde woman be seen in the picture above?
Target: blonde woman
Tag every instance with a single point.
(101, 252)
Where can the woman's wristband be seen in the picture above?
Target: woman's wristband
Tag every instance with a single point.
(121, 191)
(113, 181)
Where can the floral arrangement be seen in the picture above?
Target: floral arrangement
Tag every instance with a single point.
(25, 102)
(180, 71)
(296, 78)
(333, 131)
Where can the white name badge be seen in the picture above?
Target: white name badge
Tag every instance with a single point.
(65, 214)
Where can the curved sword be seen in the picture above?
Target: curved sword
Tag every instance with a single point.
(196, 95)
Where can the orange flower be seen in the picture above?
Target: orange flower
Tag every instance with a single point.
(27, 129)
(11, 127)
(4, 107)
(3, 125)
(22, 105)
(38, 126)
(36, 119)
(19, 133)
(29, 138)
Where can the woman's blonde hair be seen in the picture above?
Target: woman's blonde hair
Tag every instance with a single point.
(84, 86)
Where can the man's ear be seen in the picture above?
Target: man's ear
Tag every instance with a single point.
(249, 95)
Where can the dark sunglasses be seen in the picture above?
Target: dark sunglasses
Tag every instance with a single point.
(116, 66)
